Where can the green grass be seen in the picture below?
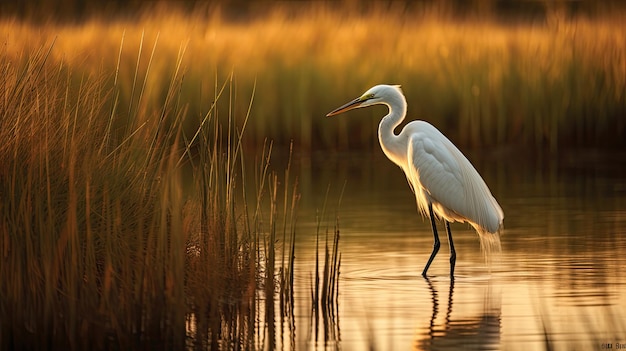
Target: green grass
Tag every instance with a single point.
(542, 84)
(114, 231)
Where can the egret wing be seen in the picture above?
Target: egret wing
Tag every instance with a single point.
(432, 169)
(457, 191)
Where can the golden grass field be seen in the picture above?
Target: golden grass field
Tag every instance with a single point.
(104, 242)
(548, 83)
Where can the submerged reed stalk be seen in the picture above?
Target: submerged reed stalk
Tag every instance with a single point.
(325, 287)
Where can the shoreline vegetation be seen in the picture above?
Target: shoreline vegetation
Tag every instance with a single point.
(546, 84)
(114, 234)
(128, 219)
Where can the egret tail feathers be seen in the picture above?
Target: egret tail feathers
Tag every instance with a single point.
(491, 247)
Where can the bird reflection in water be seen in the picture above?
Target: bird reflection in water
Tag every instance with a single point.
(480, 331)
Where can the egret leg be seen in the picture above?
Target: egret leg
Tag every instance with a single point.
(452, 250)
(436, 244)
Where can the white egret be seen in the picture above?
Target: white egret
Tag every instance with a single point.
(445, 183)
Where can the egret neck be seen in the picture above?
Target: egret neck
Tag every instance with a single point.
(391, 143)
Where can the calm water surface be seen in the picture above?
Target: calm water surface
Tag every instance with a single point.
(560, 282)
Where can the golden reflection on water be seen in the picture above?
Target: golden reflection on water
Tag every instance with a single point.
(559, 283)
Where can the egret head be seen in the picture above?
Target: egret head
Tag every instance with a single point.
(379, 94)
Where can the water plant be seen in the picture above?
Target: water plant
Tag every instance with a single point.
(120, 230)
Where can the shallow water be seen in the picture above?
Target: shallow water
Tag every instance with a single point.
(558, 284)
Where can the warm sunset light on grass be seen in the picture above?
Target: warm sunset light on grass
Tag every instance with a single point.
(532, 83)
(141, 203)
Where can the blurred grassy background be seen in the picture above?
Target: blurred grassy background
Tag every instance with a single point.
(541, 75)
(100, 235)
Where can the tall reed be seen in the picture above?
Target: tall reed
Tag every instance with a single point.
(325, 285)
(104, 241)
(91, 223)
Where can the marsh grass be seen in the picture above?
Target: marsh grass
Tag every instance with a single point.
(83, 216)
(104, 240)
(541, 84)
(325, 279)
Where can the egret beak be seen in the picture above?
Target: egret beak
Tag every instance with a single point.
(356, 103)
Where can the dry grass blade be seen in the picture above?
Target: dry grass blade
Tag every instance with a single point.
(103, 243)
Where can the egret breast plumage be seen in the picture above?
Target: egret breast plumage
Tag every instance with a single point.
(445, 183)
